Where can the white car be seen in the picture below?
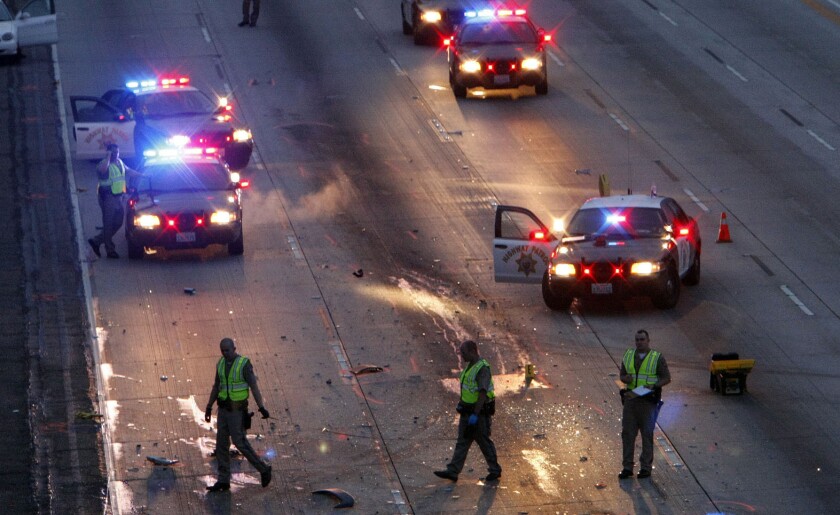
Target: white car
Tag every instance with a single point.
(613, 247)
(33, 25)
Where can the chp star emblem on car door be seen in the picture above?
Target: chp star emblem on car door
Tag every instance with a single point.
(527, 263)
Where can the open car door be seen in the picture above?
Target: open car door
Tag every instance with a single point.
(36, 25)
(522, 246)
(96, 124)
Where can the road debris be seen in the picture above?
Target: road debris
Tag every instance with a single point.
(158, 460)
(346, 499)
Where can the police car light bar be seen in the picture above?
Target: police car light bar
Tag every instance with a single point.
(498, 13)
(152, 83)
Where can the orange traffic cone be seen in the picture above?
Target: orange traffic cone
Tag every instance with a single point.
(723, 232)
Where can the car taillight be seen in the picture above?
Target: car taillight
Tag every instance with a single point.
(683, 231)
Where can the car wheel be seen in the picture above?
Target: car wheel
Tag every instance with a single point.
(692, 278)
(459, 91)
(552, 301)
(134, 251)
(237, 156)
(406, 25)
(670, 290)
(237, 246)
(542, 87)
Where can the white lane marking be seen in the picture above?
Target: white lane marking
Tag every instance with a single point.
(399, 502)
(696, 200)
(736, 73)
(796, 300)
(619, 122)
(206, 34)
(672, 22)
(668, 450)
(397, 66)
(359, 13)
(824, 142)
(228, 90)
(556, 59)
(835, 4)
(295, 247)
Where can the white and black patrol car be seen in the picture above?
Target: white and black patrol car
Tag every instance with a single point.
(150, 117)
(616, 246)
(499, 49)
(429, 21)
(185, 202)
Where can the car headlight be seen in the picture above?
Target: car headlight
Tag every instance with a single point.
(241, 135)
(146, 221)
(531, 63)
(470, 66)
(644, 268)
(564, 270)
(431, 16)
(8, 36)
(222, 217)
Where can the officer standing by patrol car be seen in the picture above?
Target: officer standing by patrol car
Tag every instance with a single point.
(645, 372)
(111, 189)
(235, 378)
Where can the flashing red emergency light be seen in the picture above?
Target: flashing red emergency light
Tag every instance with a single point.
(171, 222)
(174, 81)
(244, 184)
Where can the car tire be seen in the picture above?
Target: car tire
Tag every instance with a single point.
(542, 87)
(692, 277)
(237, 246)
(405, 24)
(237, 156)
(458, 91)
(552, 301)
(135, 251)
(669, 291)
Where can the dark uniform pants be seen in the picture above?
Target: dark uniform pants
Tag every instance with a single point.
(112, 219)
(230, 429)
(639, 415)
(480, 433)
(248, 15)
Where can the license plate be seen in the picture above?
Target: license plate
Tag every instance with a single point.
(501, 79)
(185, 237)
(601, 288)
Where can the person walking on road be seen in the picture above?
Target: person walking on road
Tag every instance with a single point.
(111, 172)
(234, 378)
(476, 407)
(249, 15)
(645, 372)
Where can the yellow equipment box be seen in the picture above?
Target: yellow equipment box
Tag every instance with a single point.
(728, 373)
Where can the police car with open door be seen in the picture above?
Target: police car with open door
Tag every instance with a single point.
(150, 116)
(613, 247)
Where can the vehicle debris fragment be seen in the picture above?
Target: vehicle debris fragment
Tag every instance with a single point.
(346, 499)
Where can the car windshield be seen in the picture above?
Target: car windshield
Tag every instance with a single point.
(172, 177)
(174, 103)
(497, 33)
(5, 15)
(618, 223)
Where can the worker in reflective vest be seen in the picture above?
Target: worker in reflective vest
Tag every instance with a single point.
(235, 379)
(476, 407)
(112, 173)
(645, 372)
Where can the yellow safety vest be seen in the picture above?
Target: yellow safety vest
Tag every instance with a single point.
(233, 387)
(646, 375)
(116, 178)
(469, 386)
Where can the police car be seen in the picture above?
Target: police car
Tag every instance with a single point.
(185, 201)
(430, 20)
(33, 25)
(499, 49)
(148, 116)
(613, 247)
